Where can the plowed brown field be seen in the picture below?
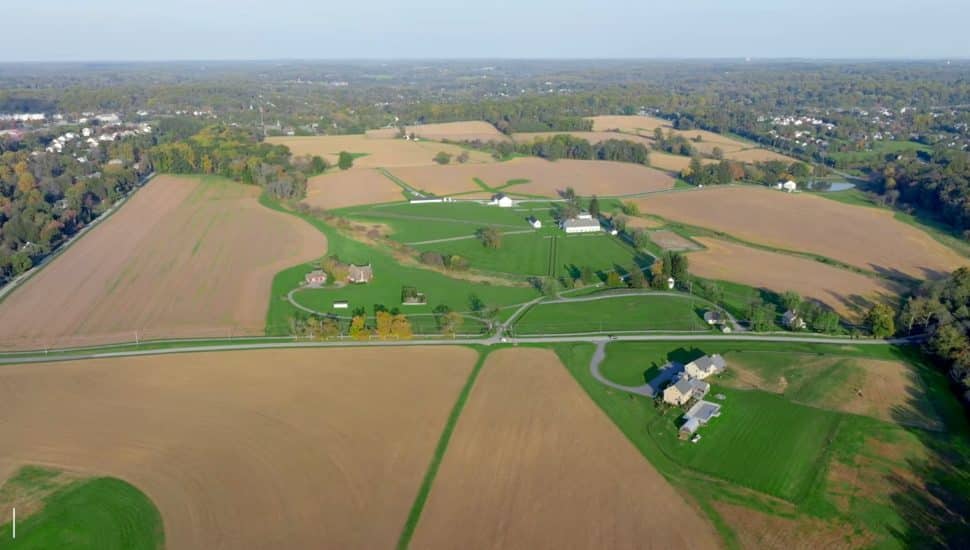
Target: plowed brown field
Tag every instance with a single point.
(350, 188)
(865, 237)
(546, 178)
(185, 257)
(470, 130)
(533, 463)
(848, 293)
(380, 151)
(255, 449)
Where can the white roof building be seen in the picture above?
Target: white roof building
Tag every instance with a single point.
(583, 223)
(502, 201)
(535, 223)
(789, 186)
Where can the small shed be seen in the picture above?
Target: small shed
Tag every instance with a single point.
(689, 428)
(534, 222)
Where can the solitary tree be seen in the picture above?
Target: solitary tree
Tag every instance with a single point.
(637, 278)
(880, 321)
(594, 207)
(491, 237)
(462, 157)
(442, 157)
(345, 160)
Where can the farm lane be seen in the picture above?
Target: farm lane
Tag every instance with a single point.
(599, 355)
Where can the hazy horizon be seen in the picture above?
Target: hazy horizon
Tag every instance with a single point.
(246, 30)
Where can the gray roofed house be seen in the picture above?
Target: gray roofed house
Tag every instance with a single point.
(713, 317)
(705, 366)
(792, 320)
(684, 390)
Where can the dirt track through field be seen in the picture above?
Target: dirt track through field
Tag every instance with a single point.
(846, 292)
(182, 258)
(587, 177)
(869, 238)
(533, 463)
(257, 449)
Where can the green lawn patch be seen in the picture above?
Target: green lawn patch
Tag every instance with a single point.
(99, 513)
(626, 313)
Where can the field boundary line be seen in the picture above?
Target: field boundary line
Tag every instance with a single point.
(414, 516)
(19, 281)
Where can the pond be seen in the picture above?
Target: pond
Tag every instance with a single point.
(829, 186)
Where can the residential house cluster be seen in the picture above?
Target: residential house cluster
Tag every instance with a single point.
(690, 389)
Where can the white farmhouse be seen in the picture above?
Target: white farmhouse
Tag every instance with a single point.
(583, 223)
(535, 223)
(789, 186)
(502, 201)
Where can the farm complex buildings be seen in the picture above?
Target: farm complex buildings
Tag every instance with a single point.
(583, 223)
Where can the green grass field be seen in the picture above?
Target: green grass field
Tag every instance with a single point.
(627, 313)
(385, 289)
(423, 222)
(766, 445)
(99, 513)
(879, 149)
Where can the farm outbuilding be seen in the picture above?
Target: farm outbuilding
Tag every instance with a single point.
(583, 223)
(502, 200)
(359, 274)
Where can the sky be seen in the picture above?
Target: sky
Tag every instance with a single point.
(128, 30)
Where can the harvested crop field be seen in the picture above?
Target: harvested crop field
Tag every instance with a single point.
(757, 155)
(533, 463)
(869, 238)
(545, 178)
(470, 130)
(847, 292)
(672, 163)
(378, 151)
(255, 449)
(351, 188)
(592, 137)
(184, 257)
(668, 240)
(632, 123)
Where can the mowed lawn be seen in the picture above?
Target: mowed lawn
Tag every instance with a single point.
(626, 313)
(548, 252)
(761, 441)
(422, 222)
(97, 514)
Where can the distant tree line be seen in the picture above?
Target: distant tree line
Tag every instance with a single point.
(565, 146)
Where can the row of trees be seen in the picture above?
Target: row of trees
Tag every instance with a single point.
(565, 146)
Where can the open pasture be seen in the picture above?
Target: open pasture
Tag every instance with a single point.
(377, 151)
(184, 257)
(545, 178)
(417, 223)
(847, 292)
(884, 389)
(534, 464)
(629, 123)
(255, 449)
(469, 130)
(352, 187)
(868, 238)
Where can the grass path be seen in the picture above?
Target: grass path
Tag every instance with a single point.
(414, 516)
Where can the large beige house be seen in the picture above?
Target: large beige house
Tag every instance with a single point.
(685, 389)
(705, 366)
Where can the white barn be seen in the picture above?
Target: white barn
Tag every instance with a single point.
(583, 223)
(502, 201)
